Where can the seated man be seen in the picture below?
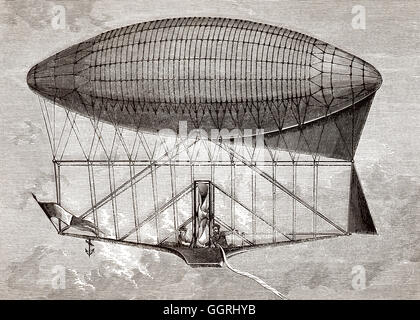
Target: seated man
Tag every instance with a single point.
(182, 237)
(219, 237)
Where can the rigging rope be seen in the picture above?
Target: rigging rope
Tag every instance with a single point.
(251, 276)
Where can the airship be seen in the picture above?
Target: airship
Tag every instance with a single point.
(217, 73)
(303, 95)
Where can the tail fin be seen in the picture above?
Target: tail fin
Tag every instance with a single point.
(359, 218)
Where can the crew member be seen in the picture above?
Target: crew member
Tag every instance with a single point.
(182, 237)
(219, 237)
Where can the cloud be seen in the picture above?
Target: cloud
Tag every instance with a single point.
(40, 14)
(137, 273)
(42, 186)
(35, 13)
(28, 133)
(36, 275)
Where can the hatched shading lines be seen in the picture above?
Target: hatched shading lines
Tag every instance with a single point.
(195, 35)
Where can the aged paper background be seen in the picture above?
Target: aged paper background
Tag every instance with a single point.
(31, 253)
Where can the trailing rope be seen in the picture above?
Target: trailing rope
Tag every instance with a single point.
(251, 276)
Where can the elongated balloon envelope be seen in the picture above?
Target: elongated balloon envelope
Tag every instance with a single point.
(217, 73)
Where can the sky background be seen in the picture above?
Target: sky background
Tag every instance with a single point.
(387, 163)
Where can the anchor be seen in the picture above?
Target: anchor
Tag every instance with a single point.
(90, 250)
